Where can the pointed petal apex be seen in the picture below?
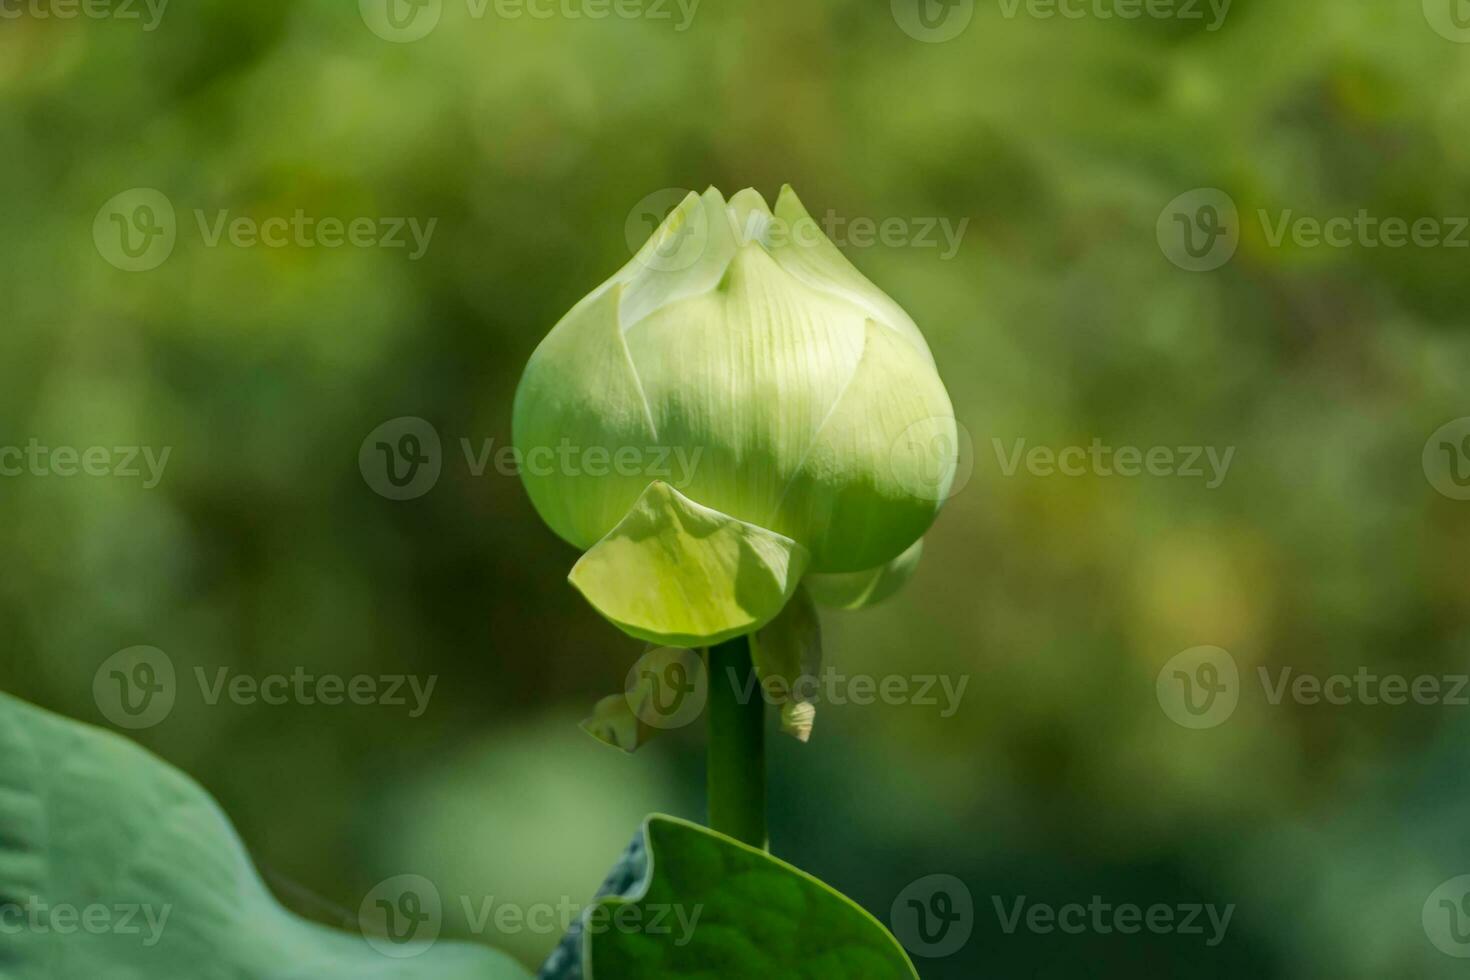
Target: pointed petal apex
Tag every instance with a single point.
(808, 254)
(686, 256)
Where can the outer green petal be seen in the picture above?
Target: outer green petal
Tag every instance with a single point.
(807, 253)
(679, 574)
(580, 391)
(882, 464)
(858, 590)
(747, 373)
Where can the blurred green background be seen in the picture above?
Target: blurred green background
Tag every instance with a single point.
(1059, 320)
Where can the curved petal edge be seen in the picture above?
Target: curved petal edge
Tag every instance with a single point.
(676, 573)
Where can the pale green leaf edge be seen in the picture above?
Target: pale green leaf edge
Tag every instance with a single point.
(640, 891)
(281, 944)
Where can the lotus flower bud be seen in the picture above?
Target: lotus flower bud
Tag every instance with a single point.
(816, 433)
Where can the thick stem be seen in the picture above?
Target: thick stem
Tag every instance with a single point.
(737, 745)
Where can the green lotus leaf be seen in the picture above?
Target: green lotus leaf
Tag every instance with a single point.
(858, 590)
(113, 864)
(690, 904)
(678, 574)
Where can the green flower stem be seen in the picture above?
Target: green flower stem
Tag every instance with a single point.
(737, 745)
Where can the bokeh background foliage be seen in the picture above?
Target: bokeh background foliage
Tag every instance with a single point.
(1059, 320)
